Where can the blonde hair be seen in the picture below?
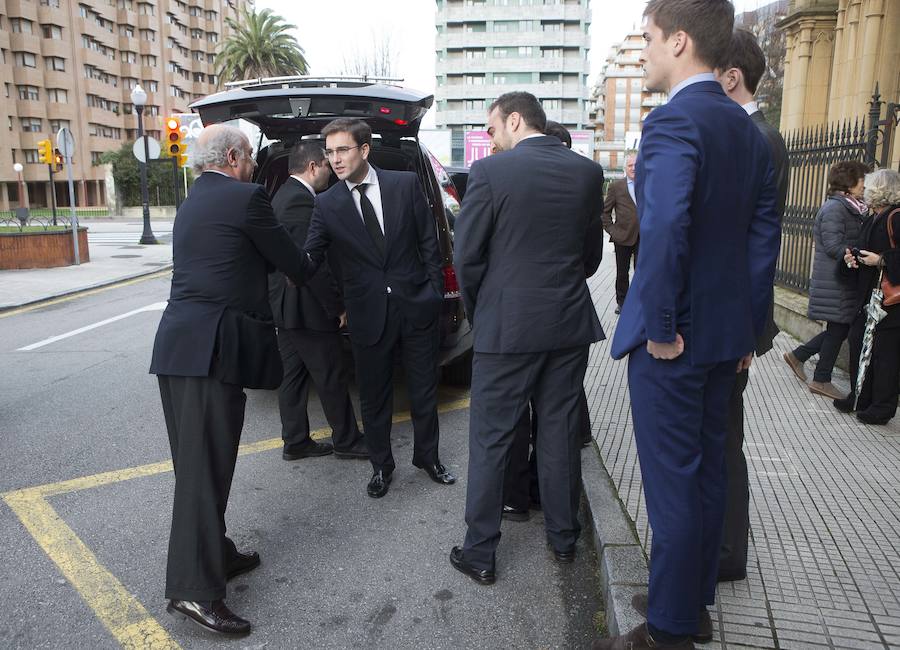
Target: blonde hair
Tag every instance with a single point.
(882, 188)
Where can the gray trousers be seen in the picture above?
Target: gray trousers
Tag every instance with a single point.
(502, 385)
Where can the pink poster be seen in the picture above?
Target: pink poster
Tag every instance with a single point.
(478, 146)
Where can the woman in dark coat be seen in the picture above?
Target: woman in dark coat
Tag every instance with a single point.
(832, 295)
(877, 401)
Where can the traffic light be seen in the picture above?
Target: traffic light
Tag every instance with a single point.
(45, 152)
(58, 159)
(174, 145)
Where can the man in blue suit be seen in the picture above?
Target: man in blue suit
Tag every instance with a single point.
(709, 241)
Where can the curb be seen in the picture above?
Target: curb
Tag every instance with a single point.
(623, 565)
(75, 292)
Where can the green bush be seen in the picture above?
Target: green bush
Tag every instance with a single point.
(127, 176)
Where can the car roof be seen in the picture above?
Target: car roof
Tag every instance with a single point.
(290, 107)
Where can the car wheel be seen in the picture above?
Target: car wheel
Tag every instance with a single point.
(459, 372)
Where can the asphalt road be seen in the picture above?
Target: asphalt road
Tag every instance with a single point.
(83, 561)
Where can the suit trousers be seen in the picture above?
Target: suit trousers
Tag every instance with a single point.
(733, 556)
(375, 375)
(502, 385)
(680, 415)
(204, 418)
(623, 268)
(521, 487)
(317, 357)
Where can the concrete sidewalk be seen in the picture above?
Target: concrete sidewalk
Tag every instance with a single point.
(824, 565)
(115, 255)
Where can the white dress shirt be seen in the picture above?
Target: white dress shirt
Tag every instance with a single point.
(697, 78)
(373, 193)
(630, 183)
(299, 178)
(751, 108)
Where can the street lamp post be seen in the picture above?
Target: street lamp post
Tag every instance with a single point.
(22, 210)
(139, 98)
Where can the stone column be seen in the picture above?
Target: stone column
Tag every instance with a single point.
(4, 198)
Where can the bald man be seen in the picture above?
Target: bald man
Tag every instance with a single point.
(216, 338)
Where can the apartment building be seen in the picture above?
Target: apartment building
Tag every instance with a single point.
(622, 101)
(74, 63)
(488, 47)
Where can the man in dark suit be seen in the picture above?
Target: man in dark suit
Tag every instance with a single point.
(739, 78)
(215, 338)
(309, 319)
(701, 293)
(378, 226)
(623, 230)
(523, 250)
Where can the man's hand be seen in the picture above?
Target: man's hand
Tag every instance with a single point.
(666, 351)
(744, 363)
(342, 320)
(869, 259)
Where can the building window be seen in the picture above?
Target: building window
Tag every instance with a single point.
(129, 57)
(211, 15)
(150, 85)
(30, 124)
(513, 78)
(195, 10)
(148, 35)
(20, 26)
(474, 104)
(197, 33)
(126, 31)
(52, 31)
(551, 104)
(31, 155)
(212, 37)
(474, 27)
(29, 93)
(50, 3)
(551, 78)
(551, 52)
(475, 54)
(547, 26)
(148, 60)
(474, 80)
(126, 4)
(25, 59)
(56, 125)
(199, 77)
(146, 9)
(57, 95)
(55, 64)
(95, 157)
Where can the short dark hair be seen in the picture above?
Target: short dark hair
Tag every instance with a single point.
(709, 23)
(557, 130)
(846, 174)
(305, 152)
(746, 55)
(358, 129)
(525, 104)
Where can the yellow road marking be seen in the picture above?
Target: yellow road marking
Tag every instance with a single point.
(83, 294)
(119, 611)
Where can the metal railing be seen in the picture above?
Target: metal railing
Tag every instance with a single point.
(43, 217)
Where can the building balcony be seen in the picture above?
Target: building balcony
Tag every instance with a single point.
(58, 79)
(53, 15)
(60, 48)
(492, 91)
(25, 42)
(59, 111)
(537, 12)
(455, 118)
(513, 64)
(23, 8)
(511, 39)
(27, 108)
(23, 76)
(129, 43)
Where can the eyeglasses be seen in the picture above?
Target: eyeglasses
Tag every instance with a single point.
(340, 151)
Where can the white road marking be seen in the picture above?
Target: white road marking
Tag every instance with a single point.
(157, 306)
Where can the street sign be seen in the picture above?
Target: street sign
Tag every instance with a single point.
(152, 147)
(65, 142)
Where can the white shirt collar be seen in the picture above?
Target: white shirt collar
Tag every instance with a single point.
(751, 107)
(299, 178)
(371, 178)
(697, 78)
(533, 135)
(216, 171)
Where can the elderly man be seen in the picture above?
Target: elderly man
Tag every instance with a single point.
(215, 338)
(623, 227)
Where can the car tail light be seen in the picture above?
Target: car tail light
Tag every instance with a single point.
(400, 122)
(450, 189)
(451, 285)
(384, 110)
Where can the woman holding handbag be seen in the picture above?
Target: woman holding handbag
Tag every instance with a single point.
(832, 295)
(877, 265)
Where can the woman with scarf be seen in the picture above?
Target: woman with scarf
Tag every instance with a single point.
(879, 255)
(832, 295)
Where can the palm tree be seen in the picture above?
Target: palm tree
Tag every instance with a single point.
(259, 45)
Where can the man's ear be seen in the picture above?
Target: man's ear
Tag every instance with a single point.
(364, 151)
(678, 41)
(734, 78)
(514, 121)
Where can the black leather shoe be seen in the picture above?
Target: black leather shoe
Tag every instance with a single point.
(516, 514)
(241, 563)
(378, 486)
(846, 405)
(564, 557)
(309, 450)
(482, 576)
(731, 576)
(210, 615)
(872, 418)
(358, 449)
(704, 624)
(438, 473)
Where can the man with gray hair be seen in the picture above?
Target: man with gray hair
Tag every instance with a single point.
(215, 338)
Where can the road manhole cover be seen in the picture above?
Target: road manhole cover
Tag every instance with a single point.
(124, 257)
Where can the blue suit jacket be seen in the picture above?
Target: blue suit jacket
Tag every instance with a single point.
(710, 231)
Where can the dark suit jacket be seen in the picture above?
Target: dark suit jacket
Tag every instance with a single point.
(624, 230)
(782, 166)
(409, 271)
(225, 241)
(710, 232)
(528, 234)
(318, 304)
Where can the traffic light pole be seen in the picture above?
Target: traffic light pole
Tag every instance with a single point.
(52, 193)
(175, 196)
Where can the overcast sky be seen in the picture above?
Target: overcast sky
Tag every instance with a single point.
(331, 31)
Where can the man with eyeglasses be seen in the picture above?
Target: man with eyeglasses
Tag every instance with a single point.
(378, 226)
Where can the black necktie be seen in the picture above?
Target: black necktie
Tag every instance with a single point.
(370, 218)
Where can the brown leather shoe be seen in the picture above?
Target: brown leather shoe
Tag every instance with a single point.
(639, 639)
(796, 365)
(825, 388)
(704, 625)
